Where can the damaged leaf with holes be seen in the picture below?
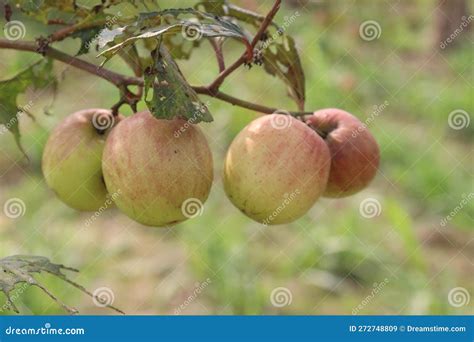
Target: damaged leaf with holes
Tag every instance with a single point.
(282, 60)
(21, 269)
(172, 95)
(168, 22)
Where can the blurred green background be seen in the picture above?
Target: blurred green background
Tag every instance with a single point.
(404, 260)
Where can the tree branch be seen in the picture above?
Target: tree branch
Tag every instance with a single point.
(122, 81)
(114, 78)
(214, 86)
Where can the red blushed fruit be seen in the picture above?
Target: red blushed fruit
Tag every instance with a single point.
(276, 169)
(354, 151)
(160, 178)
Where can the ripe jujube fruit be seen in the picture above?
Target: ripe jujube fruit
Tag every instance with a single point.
(355, 154)
(72, 158)
(156, 170)
(275, 169)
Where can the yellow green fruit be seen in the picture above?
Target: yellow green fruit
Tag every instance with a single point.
(72, 158)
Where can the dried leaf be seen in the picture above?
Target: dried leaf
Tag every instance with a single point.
(200, 25)
(285, 64)
(18, 269)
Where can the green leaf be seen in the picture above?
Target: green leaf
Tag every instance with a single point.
(88, 36)
(37, 76)
(20, 269)
(172, 95)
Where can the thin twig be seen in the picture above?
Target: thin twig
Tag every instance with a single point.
(217, 46)
(214, 86)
